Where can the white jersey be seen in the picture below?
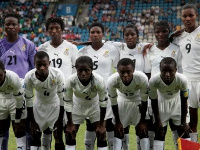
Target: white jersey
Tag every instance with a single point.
(85, 95)
(167, 92)
(155, 55)
(136, 91)
(189, 45)
(134, 54)
(12, 87)
(62, 57)
(104, 59)
(48, 91)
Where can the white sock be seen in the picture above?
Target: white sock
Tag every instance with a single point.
(1, 140)
(144, 144)
(189, 139)
(68, 147)
(46, 141)
(194, 136)
(138, 142)
(117, 144)
(90, 137)
(102, 148)
(21, 143)
(110, 137)
(151, 135)
(175, 138)
(125, 142)
(35, 148)
(158, 145)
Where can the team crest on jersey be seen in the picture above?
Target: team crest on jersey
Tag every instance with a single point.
(23, 47)
(177, 87)
(106, 54)
(139, 49)
(197, 38)
(53, 83)
(173, 54)
(137, 87)
(66, 51)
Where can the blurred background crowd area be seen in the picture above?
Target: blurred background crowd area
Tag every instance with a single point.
(79, 14)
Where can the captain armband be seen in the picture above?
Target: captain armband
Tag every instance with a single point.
(184, 94)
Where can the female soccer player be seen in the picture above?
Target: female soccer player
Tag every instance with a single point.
(45, 111)
(85, 92)
(189, 42)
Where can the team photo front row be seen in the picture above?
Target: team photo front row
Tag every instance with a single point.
(56, 104)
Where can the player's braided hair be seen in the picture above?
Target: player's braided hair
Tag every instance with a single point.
(168, 60)
(2, 67)
(190, 6)
(96, 24)
(58, 20)
(126, 62)
(12, 14)
(162, 23)
(41, 55)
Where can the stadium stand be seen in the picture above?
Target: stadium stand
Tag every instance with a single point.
(113, 14)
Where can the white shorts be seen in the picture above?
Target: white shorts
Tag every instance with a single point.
(194, 94)
(46, 114)
(81, 112)
(8, 106)
(109, 112)
(129, 113)
(170, 109)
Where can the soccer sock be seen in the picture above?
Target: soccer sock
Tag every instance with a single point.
(117, 144)
(46, 141)
(1, 140)
(59, 146)
(21, 143)
(194, 136)
(125, 142)
(175, 138)
(110, 137)
(28, 140)
(4, 145)
(138, 142)
(90, 137)
(35, 148)
(151, 135)
(144, 143)
(102, 148)
(158, 145)
(70, 147)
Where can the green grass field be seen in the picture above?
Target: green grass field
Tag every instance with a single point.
(80, 139)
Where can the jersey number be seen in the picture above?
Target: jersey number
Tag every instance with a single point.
(188, 47)
(95, 65)
(12, 60)
(57, 62)
(88, 98)
(129, 94)
(46, 93)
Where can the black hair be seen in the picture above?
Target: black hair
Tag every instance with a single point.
(55, 20)
(131, 26)
(126, 62)
(84, 59)
(96, 24)
(2, 67)
(12, 14)
(168, 61)
(162, 23)
(41, 55)
(190, 6)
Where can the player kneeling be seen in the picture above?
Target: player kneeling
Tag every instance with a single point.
(12, 103)
(46, 112)
(169, 94)
(128, 92)
(89, 91)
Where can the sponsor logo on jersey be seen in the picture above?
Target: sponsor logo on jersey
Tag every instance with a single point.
(197, 38)
(173, 54)
(177, 87)
(106, 54)
(23, 47)
(10, 87)
(66, 51)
